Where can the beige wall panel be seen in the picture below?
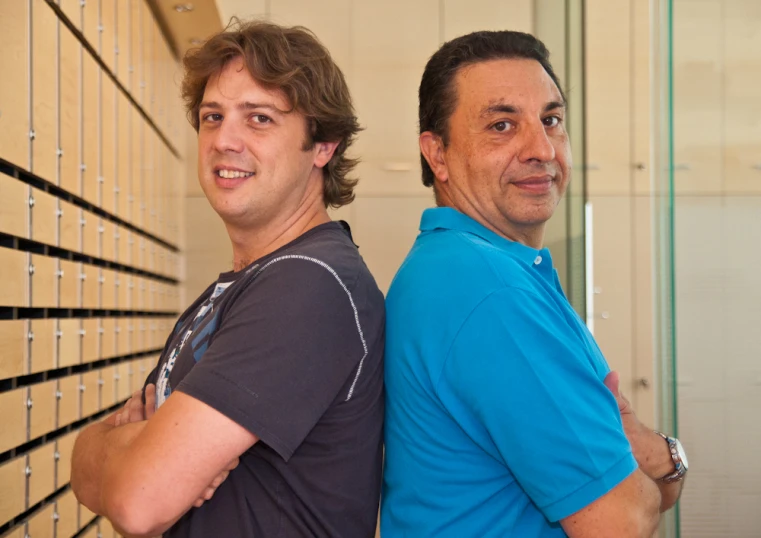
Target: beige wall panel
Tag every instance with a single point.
(13, 479)
(108, 33)
(138, 293)
(14, 277)
(70, 284)
(42, 417)
(71, 78)
(70, 227)
(145, 366)
(41, 524)
(13, 346)
(135, 47)
(107, 231)
(14, 199)
(67, 510)
(123, 381)
(90, 124)
(44, 217)
(414, 39)
(69, 341)
(608, 90)
(13, 419)
(44, 91)
(209, 253)
(65, 449)
(464, 16)
(91, 21)
(44, 281)
(331, 24)
(108, 338)
(90, 286)
(108, 141)
(14, 98)
(108, 289)
(73, 11)
(108, 386)
(135, 167)
(698, 99)
(141, 334)
(132, 330)
(391, 238)
(643, 79)
(123, 49)
(390, 179)
(43, 343)
(42, 477)
(106, 529)
(612, 310)
(90, 392)
(147, 43)
(123, 341)
(123, 157)
(126, 287)
(86, 517)
(91, 340)
(68, 402)
(90, 234)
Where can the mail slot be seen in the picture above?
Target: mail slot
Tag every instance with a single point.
(13, 421)
(90, 340)
(69, 284)
(64, 451)
(44, 217)
(43, 272)
(42, 344)
(14, 277)
(42, 408)
(66, 508)
(68, 400)
(41, 473)
(13, 479)
(90, 286)
(14, 206)
(69, 216)
(70, 333)
(90, 235)
(13, 343)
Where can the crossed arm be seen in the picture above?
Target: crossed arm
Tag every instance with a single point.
(144, 475)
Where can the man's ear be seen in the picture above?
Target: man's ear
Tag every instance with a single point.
(432, 148)
(325, 151)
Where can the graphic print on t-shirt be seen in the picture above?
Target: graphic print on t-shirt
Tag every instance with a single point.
(163, 387)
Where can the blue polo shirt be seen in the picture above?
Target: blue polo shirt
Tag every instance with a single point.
(497, 419)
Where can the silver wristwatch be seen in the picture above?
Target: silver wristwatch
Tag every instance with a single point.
(678, 456)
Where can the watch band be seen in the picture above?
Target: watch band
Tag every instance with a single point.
(679, 468)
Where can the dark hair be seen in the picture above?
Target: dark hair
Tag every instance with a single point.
(293, 61)
(438, 95)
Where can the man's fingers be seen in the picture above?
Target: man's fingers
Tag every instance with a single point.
(198, 503)
(233, 464)
(150, 400)
(136, 407)
(220, 478)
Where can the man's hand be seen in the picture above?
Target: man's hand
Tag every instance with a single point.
(135, 411)
(649, 449)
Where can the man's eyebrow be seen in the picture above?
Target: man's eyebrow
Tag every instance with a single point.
(501, 107)
(246, 105)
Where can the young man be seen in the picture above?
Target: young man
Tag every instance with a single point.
(269, 392)
(503, 418)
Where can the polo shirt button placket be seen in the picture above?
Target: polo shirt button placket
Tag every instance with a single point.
(537, 260)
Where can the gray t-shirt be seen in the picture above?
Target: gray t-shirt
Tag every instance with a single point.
(291, 348)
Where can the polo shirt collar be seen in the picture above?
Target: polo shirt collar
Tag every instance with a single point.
(448, 218)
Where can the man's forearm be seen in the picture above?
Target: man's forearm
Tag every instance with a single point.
(93, 448)
(653, 456)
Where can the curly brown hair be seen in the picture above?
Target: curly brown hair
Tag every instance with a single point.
(292, 60)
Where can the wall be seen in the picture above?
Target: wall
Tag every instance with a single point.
(90, 250)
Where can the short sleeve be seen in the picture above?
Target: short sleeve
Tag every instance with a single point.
(521, 380)
(282, 354)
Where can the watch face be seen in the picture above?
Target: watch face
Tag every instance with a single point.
(682, 454)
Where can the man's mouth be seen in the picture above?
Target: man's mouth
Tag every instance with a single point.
(232, 174)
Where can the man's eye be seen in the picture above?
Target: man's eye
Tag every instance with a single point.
(501, 126)
(261, 118)
(552, 121)
(212, 117)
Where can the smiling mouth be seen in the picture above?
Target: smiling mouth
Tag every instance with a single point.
(232, 174)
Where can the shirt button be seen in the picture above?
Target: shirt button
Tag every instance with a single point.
(537, 260)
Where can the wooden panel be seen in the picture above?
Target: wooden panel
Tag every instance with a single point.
(14, 197)
(123, 381)
(13, 343)
(42, 349)
(136, 167)
(14, 98)
(44, 281)
(124, 116)
(90, 286)
(13, 419)
(147, 41)
(13, 479)
(85, 518)
(71, 77)
(42, 416)
(90, 234)
(107, 230)
(123, 341)
(70, 228)
(123, 236)
(44, 95)
(138, 292)
(90, 392)
(41, 524)
(68, 402)
(108, 290)
(106, 529)
(123, 42)
(138, 337)
(44, 217)
(42, 473)
(14, 278)
(126, 285)
(73, 11)
(108, 386)
(70, 289)
(65, 449)
(108, 34)
(108, 148)
(90, 125)
(91, 340)
(66, 508)
(91, 20)
(108, 338)
(69, 341)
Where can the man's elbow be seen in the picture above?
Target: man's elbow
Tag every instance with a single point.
(131, 511)
(649, 514)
